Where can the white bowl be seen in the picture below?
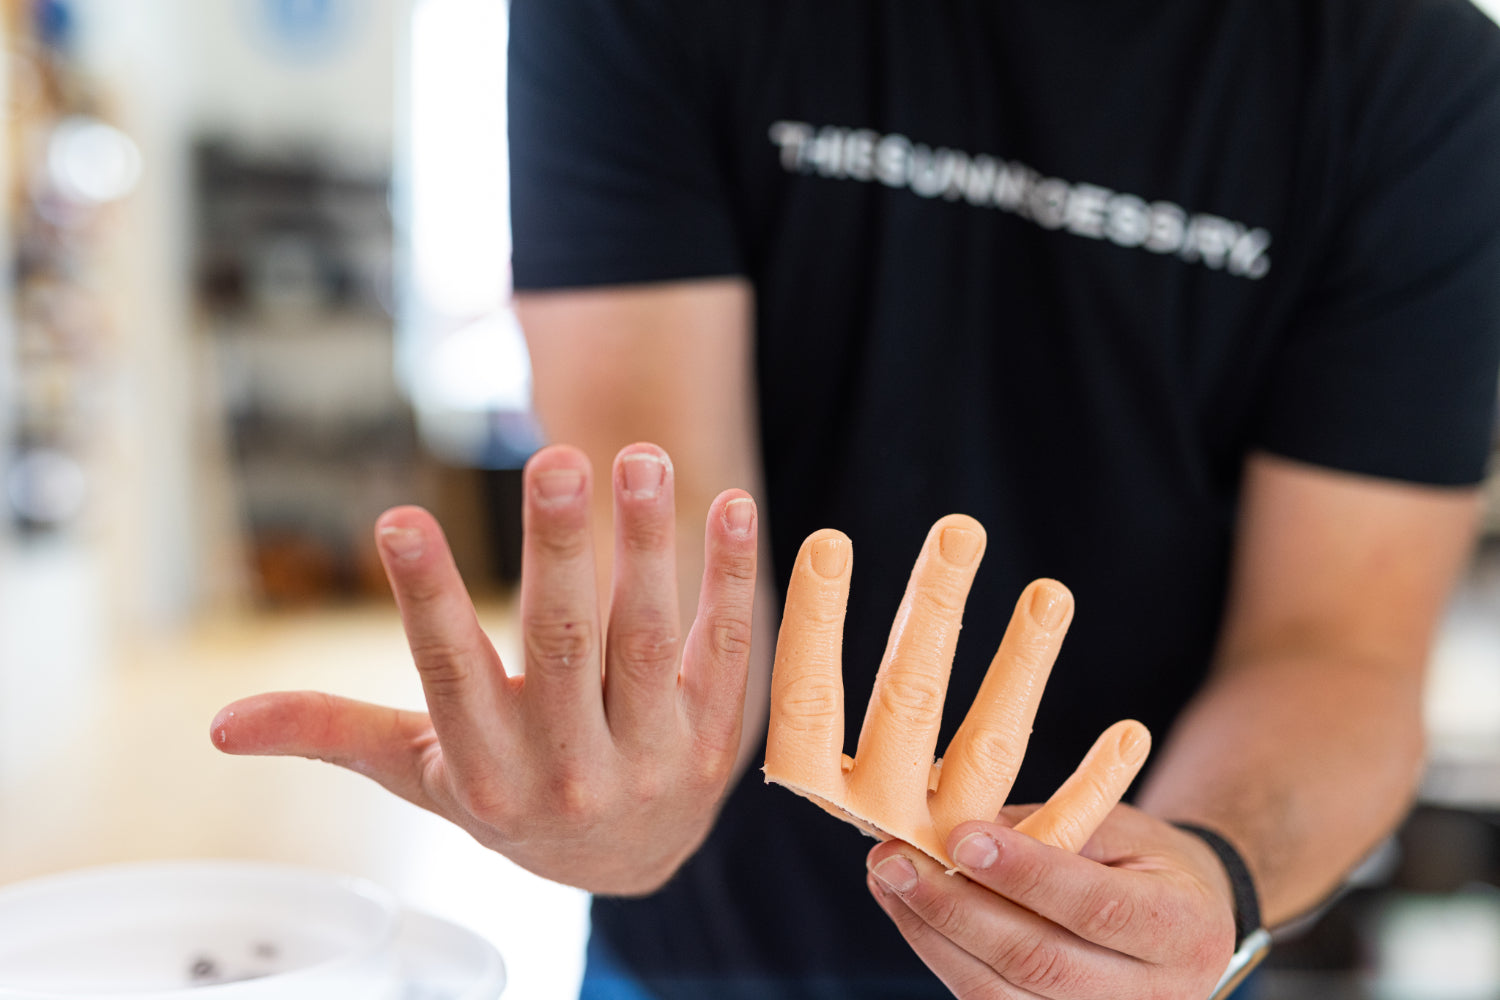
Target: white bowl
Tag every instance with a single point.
(443, 961)
(198, 930)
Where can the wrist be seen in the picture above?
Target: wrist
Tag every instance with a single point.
(1251, 940)
(1246, 896)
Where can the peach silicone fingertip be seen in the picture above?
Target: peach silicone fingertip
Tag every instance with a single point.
(1050, 603)
(830, 556)
(1135, 742)
(959, 546)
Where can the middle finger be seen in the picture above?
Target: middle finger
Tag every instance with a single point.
(559, 601)
(643, 648)
(893, 762)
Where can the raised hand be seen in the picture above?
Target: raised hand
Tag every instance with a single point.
(892, 787)
(603, 764)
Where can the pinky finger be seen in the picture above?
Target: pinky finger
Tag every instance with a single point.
(387, 745)
(1070, 817)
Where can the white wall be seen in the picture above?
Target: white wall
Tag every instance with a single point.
(342, 94)
(1490, 7)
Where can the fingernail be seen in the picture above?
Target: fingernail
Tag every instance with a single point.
(739, 516)
(1048, 606)
(958, 546)
(557, 486)
(897, 873)
(977, 851)
(1134, 742)
(829, 557)
(403, 543)
(644, 474)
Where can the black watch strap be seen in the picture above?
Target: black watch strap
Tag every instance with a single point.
(1246, 899)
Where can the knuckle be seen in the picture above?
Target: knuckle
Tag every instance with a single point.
(572, 800)
(1025, 878)
(483, 801)
(560, 539)
(647, 535)
(422, 589)
(910, 696)
(644, 644)
(1106, 917)
(1035, 647)
(812, 697)
(1035, 965)
(442, 665)
(730, 638)
(738, 566)
(947, 915)
(941, 596)
(995, 755)
(563, 642)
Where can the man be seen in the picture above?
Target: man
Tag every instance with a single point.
(1193, 305)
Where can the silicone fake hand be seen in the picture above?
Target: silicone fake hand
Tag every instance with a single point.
(892, 787)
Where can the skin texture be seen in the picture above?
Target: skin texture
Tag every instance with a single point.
(599, 769)
(671, 364)
(892, 788)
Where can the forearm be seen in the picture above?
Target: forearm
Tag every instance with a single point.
(1303, 759)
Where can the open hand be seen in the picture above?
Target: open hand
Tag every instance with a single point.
(603, 764)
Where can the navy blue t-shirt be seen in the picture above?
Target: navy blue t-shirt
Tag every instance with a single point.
(1061, 266)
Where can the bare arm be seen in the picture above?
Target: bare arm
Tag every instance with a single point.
(672, 364)
(1306, 746)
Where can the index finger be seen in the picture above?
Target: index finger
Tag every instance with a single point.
(805, 741)
(462, 678)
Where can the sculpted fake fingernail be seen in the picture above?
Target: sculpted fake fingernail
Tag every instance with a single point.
(977, 851)
(644, 473)
(739, 516)
(829, 557)
(557, 486)
(897, 874)
(402, 543)
(959, 546)
(1049, 606)
(1135, 742)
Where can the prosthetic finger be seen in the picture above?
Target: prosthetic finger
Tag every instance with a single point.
(982, 761)
(893, 762)
(804, 746)
(1070, 817)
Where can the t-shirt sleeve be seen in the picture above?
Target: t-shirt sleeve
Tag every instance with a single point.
(615, 177)
(1391, 368)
